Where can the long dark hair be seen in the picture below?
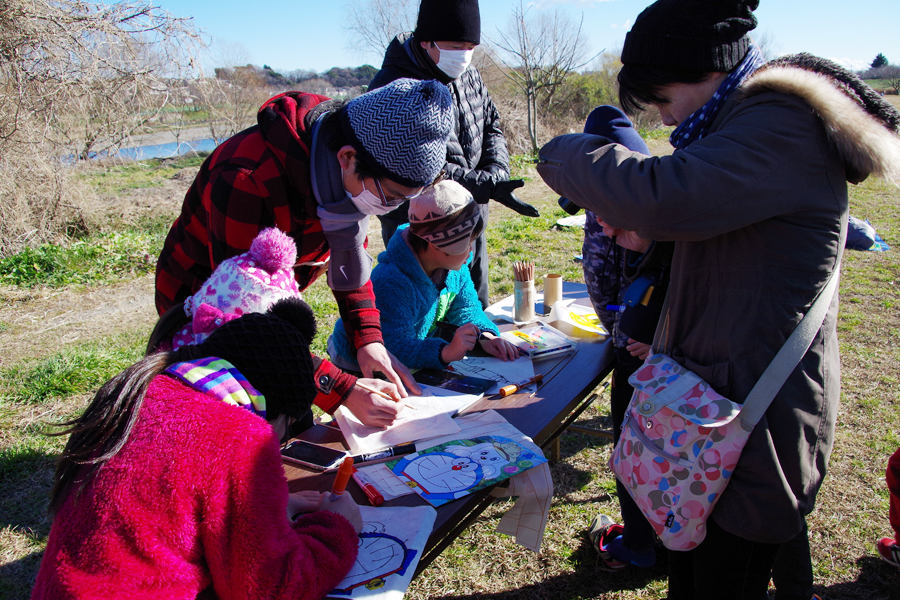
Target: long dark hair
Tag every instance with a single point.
(104, 427)
(170, 323)
(640, 85)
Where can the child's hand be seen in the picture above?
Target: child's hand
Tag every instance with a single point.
(463, 340)
(497, 346)
(344, 506)
(303, 502)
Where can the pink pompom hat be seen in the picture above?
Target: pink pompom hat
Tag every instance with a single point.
(247, 283)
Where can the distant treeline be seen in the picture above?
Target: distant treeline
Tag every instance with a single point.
(335, 77)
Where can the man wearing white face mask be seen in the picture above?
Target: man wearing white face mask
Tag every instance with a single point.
(316, 169)
(441, 48)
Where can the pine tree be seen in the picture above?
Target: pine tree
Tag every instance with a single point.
(880, 61)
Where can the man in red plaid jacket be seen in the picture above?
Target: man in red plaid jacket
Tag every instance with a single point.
(316, 169)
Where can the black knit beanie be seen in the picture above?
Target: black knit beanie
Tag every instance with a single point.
(449, 21)
(272, 351)
(700, 35)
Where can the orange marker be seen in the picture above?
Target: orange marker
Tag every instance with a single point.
(343, 476)
(509, 390)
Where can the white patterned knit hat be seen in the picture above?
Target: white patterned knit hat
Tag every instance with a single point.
(447, 217)
(401, 129)
(247, 283)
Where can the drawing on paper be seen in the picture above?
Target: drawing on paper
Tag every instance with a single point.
(495, 369)
(380, 556)
(457, 468)
(428, 420)
(390, 545)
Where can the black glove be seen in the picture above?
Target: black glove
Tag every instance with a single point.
(503, 193)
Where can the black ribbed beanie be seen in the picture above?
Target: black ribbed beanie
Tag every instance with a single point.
(272, 351)
(701, 35)
(449, 21)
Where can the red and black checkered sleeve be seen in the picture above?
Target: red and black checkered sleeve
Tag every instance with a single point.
(333, 384)
(361, 319)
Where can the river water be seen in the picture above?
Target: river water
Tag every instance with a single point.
(169, 150)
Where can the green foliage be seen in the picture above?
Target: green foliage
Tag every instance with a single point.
(354, 77)
(521, 166)
(586, 91)
(115, 179)
(77, 370)
(98, 259)
(880, 61)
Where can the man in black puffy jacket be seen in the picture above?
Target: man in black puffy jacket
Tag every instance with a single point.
(441, 48)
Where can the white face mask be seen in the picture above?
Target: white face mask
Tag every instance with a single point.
(454, 62)
(369, 204)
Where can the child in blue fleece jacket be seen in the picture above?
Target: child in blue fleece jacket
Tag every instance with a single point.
(420, 281)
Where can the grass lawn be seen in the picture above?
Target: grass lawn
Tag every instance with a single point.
(55, 382)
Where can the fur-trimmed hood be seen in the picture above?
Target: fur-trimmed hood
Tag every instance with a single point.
(863, 129)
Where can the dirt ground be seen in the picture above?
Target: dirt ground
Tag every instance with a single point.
(40, 320)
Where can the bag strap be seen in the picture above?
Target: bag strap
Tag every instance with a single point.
(773, 378)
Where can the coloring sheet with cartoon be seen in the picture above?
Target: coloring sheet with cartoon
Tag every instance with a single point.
(495, 369)
(527, 519)
(428, 420)
(456, 468)
(390, 546)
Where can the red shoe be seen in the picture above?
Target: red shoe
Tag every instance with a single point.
(889, 551)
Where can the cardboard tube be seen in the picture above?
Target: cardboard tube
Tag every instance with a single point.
(523, 301)
(552, 290)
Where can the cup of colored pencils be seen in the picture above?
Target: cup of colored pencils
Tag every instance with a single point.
(523, 291)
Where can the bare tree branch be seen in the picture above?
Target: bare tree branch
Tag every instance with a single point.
(539, 53)
(374, 23)
(77, 78)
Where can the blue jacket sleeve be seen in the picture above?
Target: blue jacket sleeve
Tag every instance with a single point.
(466, 307)
(398, 320)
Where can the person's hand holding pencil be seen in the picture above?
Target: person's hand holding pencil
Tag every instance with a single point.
(375, 402)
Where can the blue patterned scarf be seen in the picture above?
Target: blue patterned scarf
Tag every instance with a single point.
(697, 125)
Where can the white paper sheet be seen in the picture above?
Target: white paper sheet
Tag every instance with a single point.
(429, 419)
(452, 402)
(495, 369)
(390, 546)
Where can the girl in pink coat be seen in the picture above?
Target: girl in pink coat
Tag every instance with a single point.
(171, 484)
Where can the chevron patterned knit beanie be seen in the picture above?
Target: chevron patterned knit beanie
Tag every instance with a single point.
(401, 130)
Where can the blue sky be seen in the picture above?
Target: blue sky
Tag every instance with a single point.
(310, 34)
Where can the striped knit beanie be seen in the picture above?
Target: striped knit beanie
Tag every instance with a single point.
(401, 130)
(446, 216)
